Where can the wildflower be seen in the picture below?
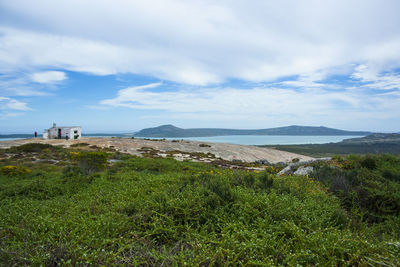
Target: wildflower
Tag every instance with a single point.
(14, 170)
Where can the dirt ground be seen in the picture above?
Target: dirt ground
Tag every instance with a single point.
(182, 149)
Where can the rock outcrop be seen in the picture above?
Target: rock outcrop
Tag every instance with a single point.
(299, 168)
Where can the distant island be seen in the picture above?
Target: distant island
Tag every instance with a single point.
(173, 131)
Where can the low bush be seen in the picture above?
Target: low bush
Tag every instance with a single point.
(369, 163)
(79, 145)
(366, 185)
(295, 160)
(14, 170)
(90, 162)
(31, 147)
(154, 212)
(217, 190)
(204, 145)
(158, 165)
(265, 180)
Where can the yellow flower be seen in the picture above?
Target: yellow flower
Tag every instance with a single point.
(14, 170)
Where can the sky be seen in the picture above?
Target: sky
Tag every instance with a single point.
(124, 65)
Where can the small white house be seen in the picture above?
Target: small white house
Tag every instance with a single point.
(63, 132)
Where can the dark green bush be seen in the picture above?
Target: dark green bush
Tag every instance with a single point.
(265, 180)
(204, 145)
(32, 147)
(369, 163)
(340, 218)
(91, 162)
(217, 189)
(71, 170)
(249, 179)
(79, 145)
(391, 174)
(364, 183)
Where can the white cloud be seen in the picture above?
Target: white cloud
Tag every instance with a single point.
(199, 42)
(6, 115)
(258, 104)
(30, 84)
(48, 76)
(8, 106)
(211, 44)
(309, 80)
(376, 80)
(7, 103)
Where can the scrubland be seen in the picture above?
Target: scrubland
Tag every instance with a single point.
(87, 206)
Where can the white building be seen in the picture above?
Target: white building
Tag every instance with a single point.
(61, 132)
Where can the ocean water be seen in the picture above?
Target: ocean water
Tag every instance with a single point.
(255, 139)
(8, 139)
(268, 139)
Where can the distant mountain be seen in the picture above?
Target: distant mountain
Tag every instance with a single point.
(173, 131)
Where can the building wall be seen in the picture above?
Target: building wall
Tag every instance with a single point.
(52, 133)
(77, 131)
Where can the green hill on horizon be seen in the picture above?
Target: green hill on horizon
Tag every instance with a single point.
(173, 131)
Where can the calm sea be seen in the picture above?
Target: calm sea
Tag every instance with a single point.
(268, 139)
(256, 139)
(8, 139)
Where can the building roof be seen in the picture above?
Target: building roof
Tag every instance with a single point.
(65, 127)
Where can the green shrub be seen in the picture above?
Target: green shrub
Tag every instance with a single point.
(369, 163)
(90, 162)
(365, 184)
(338, 159)
(79, 144)
(31, 147)
(14, 170)
(204, 145)
(265, 180)
(71, 170)
(156, 212)
(219, 188)
(391, 174)
(249, 179)
(156, 165)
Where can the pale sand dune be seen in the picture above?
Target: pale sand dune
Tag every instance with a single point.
(131, 146)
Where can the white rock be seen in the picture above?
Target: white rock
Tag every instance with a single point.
(303, 171)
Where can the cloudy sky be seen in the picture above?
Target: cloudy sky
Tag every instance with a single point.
(123, 65)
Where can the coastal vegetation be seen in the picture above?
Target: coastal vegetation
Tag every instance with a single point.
(374, 143)
(85, 205)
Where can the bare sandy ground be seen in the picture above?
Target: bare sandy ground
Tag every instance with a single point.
(132, 146)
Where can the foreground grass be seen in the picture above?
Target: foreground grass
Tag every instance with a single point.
(142, 211)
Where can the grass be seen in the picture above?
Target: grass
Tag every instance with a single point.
(155, 211)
